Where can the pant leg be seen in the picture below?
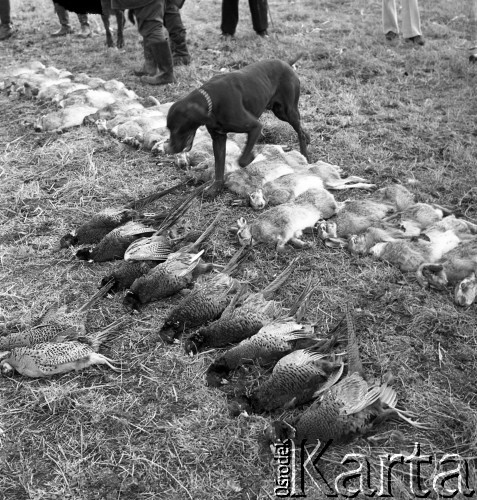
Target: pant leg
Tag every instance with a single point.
(230, 16)
(411, 22)
(259, 12)
(83, 19)
(390, 22)
(175, 28)
(63, 16)
(150, 21)
(472, 12)
(5, 12)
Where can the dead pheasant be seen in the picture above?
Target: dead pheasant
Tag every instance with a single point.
(206, 302)
(351, 407)
(94, 230)
(243, 322)
(115, 243)
(273, 342)
(54, 326)
(167, 278)
(46, 359)
(296, 379)
(124, 275)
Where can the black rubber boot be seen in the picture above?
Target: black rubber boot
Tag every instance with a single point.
(163, 60)
(149, 67)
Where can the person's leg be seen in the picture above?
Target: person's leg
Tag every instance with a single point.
(85, 29)
(259, 12)
(390, 22)
(411, 22)
(473, 31)
(177, 33)
(150, 24)
(64, 19)
(230, 17)
(6, 30)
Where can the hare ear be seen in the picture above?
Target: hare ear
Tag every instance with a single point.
(241, 223)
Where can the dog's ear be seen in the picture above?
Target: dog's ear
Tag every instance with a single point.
(197, 113)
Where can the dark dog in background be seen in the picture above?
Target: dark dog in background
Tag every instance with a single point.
(102, 7)
(233, 102)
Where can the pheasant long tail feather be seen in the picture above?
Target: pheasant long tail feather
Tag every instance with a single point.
(192, 264)
(331, 381)
(236, 259)
(279, 280)
(195, 246)
(142, 202)
(301, 303)
(98, 295)
(180, 208)
(96, 339)
(233, 303)
(354, 359)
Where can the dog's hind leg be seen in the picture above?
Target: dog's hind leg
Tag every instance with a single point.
(253, 128)
(292, 116)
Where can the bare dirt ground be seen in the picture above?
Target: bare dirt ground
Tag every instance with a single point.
(384, 111)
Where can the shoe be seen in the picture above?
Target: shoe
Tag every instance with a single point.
(263, 34)
(63, 31)
(181, 60)
(390, 36)
(416, 40)
(6, 31)
(162, 54)
(85, 31)
(227, 37)
(149, 66)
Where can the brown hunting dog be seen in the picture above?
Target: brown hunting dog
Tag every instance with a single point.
(233, 102)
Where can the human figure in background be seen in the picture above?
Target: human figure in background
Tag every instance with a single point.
(411, 22)
(65, 28)
(473, 31)
(230, 17)
(177, 32)
(177, 40)
(6, 29)
(158, 62)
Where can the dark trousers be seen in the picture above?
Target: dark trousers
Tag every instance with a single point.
(175, 28)
(230, 15)
(64, 17)
(5, 12)
(150, 21)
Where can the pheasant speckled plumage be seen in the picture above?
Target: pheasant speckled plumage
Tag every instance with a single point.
(46, 359)
(115, 243)
(206, 302)
(296, 379)
(164, 280)
(54, 327)
(271, 343)
(156, 247)
(243, 322)
(351, 407)
(124, 275)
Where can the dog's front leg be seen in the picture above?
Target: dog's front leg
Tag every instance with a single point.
(219, 141)
(253, 134)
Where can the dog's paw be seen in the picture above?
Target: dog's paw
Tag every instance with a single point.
(214, 190)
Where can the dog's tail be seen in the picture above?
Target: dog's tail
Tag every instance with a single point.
(291, 62)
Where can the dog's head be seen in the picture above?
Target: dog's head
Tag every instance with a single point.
(183, 119)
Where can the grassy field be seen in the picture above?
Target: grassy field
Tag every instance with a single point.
(384, 111)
